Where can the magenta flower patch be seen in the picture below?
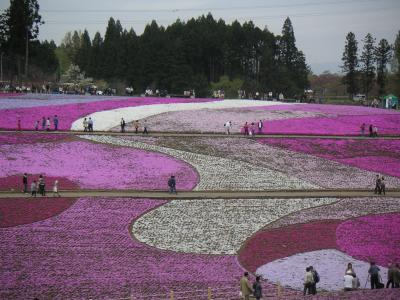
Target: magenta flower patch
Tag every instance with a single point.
(20, 211)
(371, 238)
(381, 156)
(68, 113)
(96, 166)
(87, 252)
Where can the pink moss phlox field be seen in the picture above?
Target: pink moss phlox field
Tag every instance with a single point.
(68, 113)
(94, 166)
(15, 182)
(28, 210)
(87, 252)
(30, 138)
(272, 244)
(339, 120)
(382, 156)
(371, 238)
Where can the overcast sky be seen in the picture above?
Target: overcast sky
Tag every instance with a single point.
(320, 25)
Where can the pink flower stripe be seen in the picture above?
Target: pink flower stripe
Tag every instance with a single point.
(28, 210)
(334, 110)
(29, 138)
(269, 245)
(68, 113)
(378, 155)
(340, 119)
(371, 238)
(96, 166)
(87, 252)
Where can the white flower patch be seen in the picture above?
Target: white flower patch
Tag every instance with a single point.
(217, 173)
(330, 264)
(105, 120)
(213, 226)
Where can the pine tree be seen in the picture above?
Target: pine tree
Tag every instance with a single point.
(84, 52)
(350, 64)
(383, 54)
(22, 21)
(368, 63)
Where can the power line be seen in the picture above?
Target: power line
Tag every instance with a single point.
(174, 10)
(299, 15)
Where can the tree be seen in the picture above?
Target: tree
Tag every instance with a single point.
(397, 59)
(350, 64)
(287, 44)
(382, 54)
(368, 63)
(84, 51)
(22, 20)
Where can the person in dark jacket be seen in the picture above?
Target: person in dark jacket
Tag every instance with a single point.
(374, 273)
(25, 182)
(172, 185)
(257, 288)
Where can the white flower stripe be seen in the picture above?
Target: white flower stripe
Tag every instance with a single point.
(213, 226)
(106, 120)
(218, 173)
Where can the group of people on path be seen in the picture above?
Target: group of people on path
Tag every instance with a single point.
(250, 129)
(311, 278)
(88, 124)
(46, 124)
(136, 126)
(38, 186)
(380, 186)
(373, 130)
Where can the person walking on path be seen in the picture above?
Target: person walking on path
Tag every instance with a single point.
(362, 128)
(375, 131)
(42, 186)
(391, 272)
(90, 124)
(37, 125)
(228, 126)
(33, 189)
(172, 185)
(145, 127)
(43, 123)
(55, 122)
(315, 280)
(260, 126)
(257, 288)
(25, 182)
(245, 287)
(370, 130)
(378, 182)
(374, 274)
(123, 124)
(19, 125)
(396, 276)
(48, 124)
(136, 125)
(252, 129)
(55, 189)
(246, 128)
(308, 282)
(85, 125)
(383, 186)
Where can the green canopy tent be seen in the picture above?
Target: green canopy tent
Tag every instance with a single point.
(391, 101)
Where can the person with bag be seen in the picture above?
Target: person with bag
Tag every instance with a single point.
(308, 282)
(316, 280)
(245, 287)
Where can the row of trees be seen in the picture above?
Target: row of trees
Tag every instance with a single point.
(371, 67)
(191, 55)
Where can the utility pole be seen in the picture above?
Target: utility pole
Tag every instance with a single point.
(1, 66)
(26, 53)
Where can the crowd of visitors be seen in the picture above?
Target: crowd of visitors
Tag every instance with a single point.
(38, 186)
(373, 130)
(350, 281)
(249, 129)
